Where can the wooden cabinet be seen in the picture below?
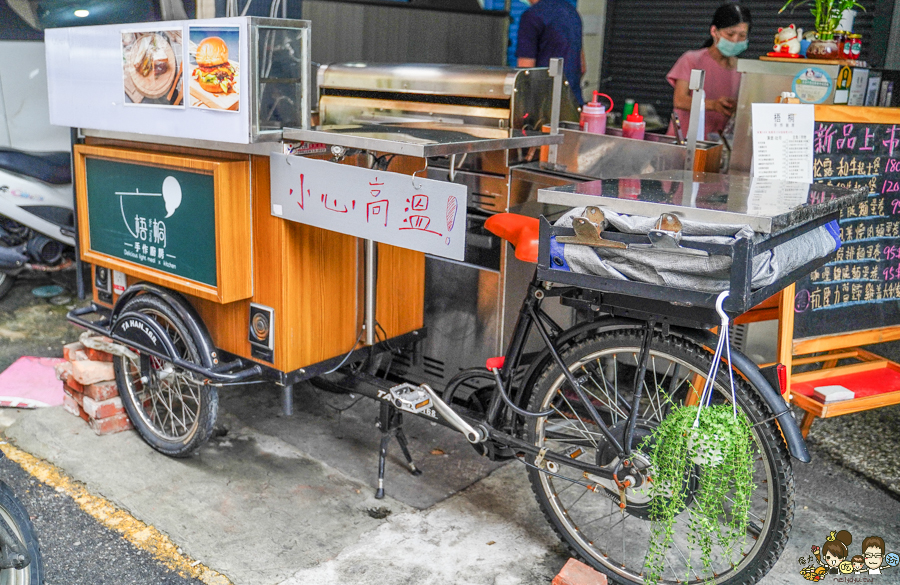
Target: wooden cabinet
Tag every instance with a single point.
(310, 277)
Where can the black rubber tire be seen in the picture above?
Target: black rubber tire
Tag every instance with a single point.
(16, 517)
(204, 402)
(770, 542)
(7, 281)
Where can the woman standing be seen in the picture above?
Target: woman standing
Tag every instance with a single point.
(718, 58)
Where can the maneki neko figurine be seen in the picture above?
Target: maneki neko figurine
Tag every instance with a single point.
(787, 42)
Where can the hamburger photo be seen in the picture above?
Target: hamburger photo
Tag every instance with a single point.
(214, 73)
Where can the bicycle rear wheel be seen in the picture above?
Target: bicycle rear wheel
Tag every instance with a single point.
(171, 408)
(614, 541)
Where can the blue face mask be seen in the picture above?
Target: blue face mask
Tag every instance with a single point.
(731, 49)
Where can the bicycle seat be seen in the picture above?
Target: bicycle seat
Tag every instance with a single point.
(49, 167)
(519, 230)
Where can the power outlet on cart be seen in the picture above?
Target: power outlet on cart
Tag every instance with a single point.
(103, 284)
(262, 332)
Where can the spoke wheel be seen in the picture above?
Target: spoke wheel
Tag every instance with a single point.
(15, 517)
(597, 530)
(171, 409)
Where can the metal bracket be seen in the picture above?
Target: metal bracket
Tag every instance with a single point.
(698, 100)
(588, 228)
(557, 73)
(539, 458)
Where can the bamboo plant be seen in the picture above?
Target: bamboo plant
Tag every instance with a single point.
(827, 13)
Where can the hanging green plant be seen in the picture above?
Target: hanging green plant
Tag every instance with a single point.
(703, 466)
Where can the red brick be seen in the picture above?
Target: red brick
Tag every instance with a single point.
(70, 349)
(70, 405)
(78, 396)
(97, 355)
(575, 572)
(102, 390)
(113, 424)
(103, 409)
(79, 356)
(63, 371)
(88, 372)
(73, 384)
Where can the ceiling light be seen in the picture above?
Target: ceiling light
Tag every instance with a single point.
(81, 13)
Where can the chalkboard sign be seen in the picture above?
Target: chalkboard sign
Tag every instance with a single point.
(156, 217)
(860, 289)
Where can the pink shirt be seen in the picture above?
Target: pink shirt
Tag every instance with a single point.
(719, 82)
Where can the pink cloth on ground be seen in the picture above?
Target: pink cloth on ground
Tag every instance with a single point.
(719, 82)
(31, 382)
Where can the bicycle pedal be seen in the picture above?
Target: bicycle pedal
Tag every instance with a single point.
(410, 398)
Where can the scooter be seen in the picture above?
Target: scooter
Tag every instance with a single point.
(37, 217)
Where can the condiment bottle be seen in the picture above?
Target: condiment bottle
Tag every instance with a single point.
(629, 107)
(855, 45)
(634, 125)
(593, 115)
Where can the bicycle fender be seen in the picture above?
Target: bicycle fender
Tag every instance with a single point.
(201, 337)
(601, 325)
(783, 416)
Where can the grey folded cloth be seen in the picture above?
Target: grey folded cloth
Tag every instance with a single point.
(705, 274)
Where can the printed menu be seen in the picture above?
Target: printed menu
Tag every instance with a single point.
(782, 142)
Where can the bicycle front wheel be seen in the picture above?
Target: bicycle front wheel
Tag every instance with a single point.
(615, 540)
(16, 520)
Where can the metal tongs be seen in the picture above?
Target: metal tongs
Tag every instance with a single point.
(664, 237)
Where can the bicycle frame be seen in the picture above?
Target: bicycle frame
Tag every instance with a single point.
(531, 315)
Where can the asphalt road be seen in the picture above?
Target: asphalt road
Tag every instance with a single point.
(76, 548)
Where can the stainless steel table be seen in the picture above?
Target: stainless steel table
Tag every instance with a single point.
(767, 206)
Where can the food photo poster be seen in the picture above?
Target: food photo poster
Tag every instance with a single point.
(214, 67)
(151, 67)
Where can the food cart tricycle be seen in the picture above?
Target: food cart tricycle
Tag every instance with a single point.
(232, 241)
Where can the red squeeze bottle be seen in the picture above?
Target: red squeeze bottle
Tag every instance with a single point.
(634, 125)
(593, 115)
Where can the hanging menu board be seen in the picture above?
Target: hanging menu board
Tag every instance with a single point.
(860, 289)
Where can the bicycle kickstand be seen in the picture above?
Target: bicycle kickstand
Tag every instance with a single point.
(390, 421)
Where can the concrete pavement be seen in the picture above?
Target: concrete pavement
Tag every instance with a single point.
(285, 501)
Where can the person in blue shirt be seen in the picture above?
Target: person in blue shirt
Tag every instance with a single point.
(550, 29)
